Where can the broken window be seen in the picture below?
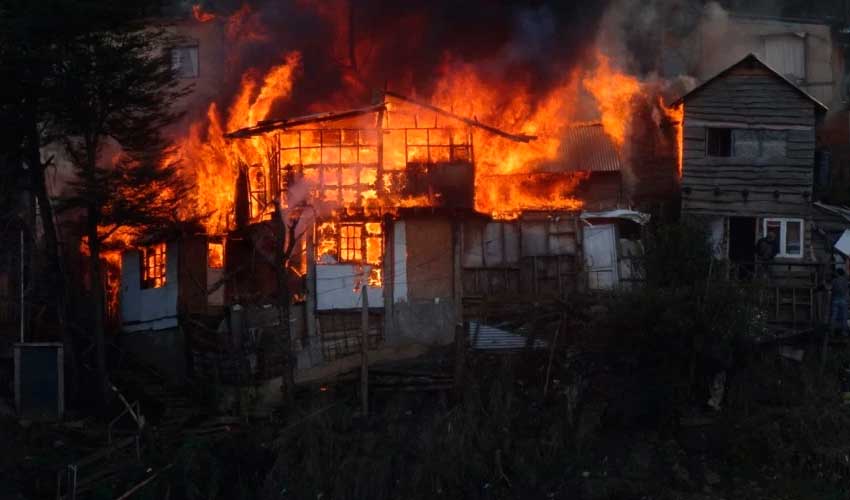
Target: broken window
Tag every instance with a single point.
(719, 142)
(153, 266)
(184, 61)
(789, 232)
(215, 255)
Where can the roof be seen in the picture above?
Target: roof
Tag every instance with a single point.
(284, 123)
(587, 148)
(268, 125)
(619, 213)
(841, 212)
(750, 59)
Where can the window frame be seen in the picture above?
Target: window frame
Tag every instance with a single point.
(360, 237)
(197, 68)
(804, 51)
(783, 235)
(729, 130)
(159, 253)
(210, 245)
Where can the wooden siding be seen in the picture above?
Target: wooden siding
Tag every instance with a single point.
(755, 185)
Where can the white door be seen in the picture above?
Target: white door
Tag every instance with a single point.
(600, 256)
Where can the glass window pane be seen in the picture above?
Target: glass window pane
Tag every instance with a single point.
(773, 226)
(793, 238)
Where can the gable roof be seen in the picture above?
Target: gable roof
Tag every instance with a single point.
(749, 60)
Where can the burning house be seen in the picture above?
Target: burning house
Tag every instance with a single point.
(412, 209)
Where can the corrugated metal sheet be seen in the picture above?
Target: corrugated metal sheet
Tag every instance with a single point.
(586, 148)
(490, 338)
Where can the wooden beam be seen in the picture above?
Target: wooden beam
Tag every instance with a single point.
(364, 357)
(468, 121)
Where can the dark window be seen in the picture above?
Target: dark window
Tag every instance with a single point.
(184, 61)
(719, 142)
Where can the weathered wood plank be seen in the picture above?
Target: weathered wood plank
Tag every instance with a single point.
(759, 163)
(752, 119)
(748, 183)
(758, 208)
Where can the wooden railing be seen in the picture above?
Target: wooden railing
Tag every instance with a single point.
(789, 292)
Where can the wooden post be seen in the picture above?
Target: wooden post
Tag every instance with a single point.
(310, 302)
(460, 333)
(389, 275)
(364, 357)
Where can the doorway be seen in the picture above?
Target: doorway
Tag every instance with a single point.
(742, 245)
(600, 255)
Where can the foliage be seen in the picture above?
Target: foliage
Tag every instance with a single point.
(119, 93)
(677, 255)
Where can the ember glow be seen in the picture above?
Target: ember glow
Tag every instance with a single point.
(613, 92)
(676, 115)
(200, 15)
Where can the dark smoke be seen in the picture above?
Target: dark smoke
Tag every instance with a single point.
(402, 45)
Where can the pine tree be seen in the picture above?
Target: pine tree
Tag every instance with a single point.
(113, 94)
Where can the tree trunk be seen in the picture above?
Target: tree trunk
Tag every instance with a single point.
(97, 300)
(58, 284)
(283, 303)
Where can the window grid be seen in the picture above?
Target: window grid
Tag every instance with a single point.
(153, 266)
(351, 243)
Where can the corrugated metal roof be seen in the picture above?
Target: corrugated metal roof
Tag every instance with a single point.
(587, 148)
(488, 337)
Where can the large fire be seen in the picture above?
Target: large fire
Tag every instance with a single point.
(503, 187)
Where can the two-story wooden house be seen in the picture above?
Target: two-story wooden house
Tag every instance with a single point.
(748, 170)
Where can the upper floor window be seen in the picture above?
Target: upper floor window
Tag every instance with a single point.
(153, 266)
(788, 233)
(215, 255)
(719, 142)
(786, 53)
(184, 61)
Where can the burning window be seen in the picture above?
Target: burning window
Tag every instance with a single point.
(184, 61)
(153, 266)
(215, 255)
(351, 243)
(719, 142)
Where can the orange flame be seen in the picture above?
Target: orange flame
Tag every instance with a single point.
(676, 115)
(200, 15)
(214, 160)
(613, 92)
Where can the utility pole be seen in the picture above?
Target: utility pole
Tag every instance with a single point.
(364, 356)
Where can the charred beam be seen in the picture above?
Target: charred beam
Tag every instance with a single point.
(468, 121)
(264, 126)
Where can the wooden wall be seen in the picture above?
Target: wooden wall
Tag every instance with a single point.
(770, 181)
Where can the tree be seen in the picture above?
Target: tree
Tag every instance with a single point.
(114, 92)
(29, 35)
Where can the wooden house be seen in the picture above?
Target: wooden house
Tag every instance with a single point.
(748, 170)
